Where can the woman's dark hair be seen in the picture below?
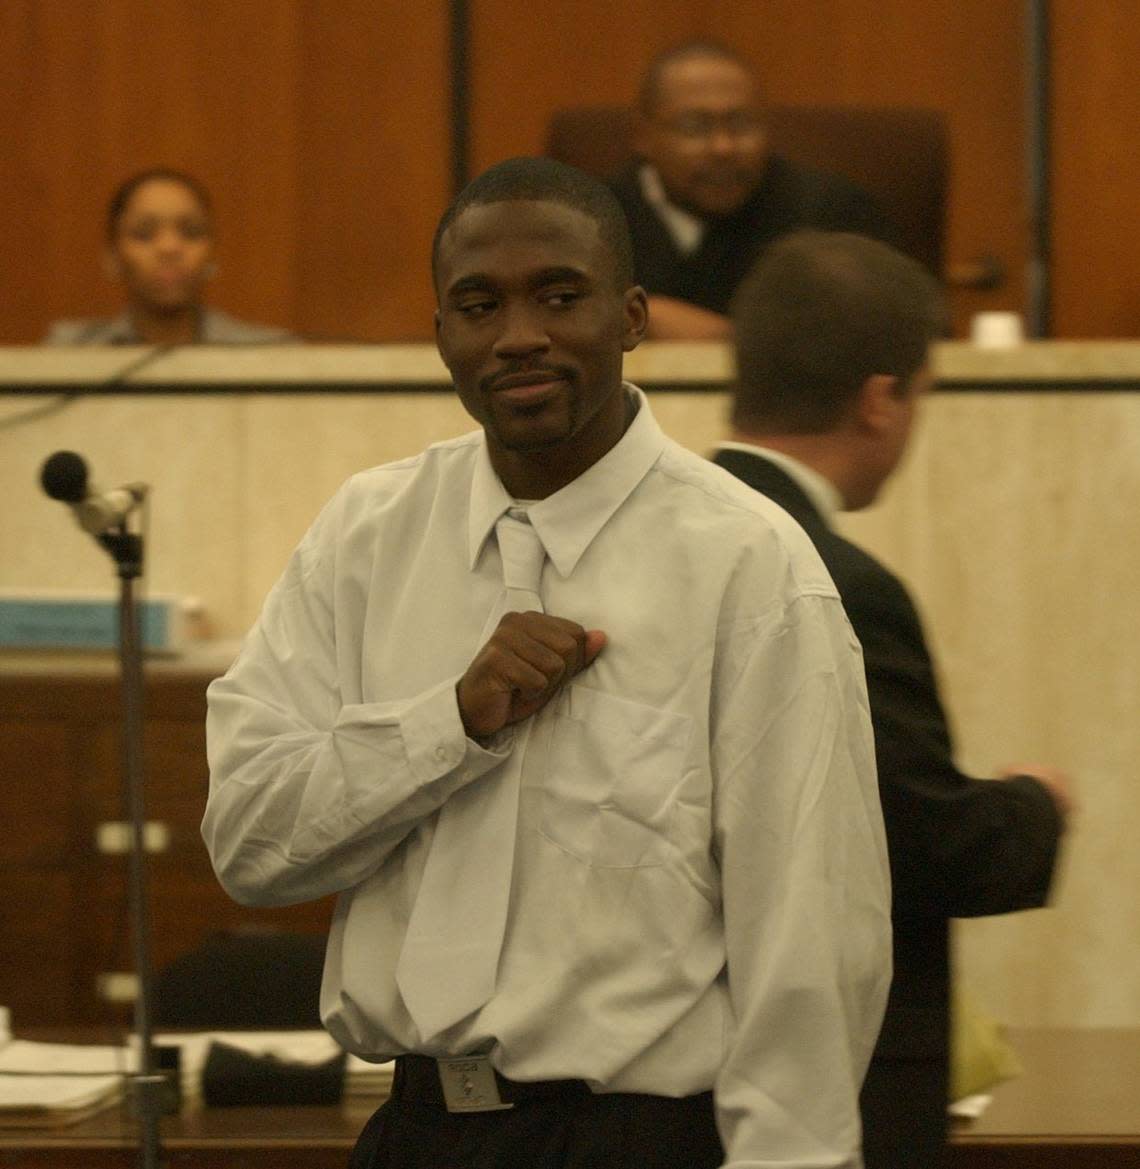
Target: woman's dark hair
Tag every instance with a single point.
(125, 191)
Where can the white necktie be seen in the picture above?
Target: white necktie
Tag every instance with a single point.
(449, 961)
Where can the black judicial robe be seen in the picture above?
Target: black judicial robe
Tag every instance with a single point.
(788, 198)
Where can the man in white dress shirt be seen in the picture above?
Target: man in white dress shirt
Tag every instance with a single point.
(611, 869)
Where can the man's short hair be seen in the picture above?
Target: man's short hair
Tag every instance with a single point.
(818, 314)
(547, 181)
(650, 87)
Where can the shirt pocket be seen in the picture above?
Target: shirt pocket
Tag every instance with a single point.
(611, 778)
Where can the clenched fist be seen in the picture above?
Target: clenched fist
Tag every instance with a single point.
(528, 658)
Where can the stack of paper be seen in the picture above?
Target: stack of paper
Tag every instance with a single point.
(57, 1083)
(44, 1084)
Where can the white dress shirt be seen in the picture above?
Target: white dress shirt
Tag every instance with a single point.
(700, 893)
(214, 328)
(687, 229)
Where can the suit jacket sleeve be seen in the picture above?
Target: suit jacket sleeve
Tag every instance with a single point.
(967, 847)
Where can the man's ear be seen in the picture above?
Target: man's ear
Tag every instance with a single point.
(878, 402)
(636, 317)
(437, 320)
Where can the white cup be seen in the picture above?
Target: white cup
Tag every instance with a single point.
(997, 330)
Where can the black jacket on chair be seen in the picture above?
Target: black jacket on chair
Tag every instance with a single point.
(959, 846)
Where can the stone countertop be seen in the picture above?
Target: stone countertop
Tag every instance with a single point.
(659, 365)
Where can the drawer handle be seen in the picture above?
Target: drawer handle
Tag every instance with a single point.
(114, 837)
(117, 986)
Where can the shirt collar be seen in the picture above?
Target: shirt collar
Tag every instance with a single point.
(568, 520)
(824, 495)
(686, 229)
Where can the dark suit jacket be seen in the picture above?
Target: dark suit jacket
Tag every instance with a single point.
(959, 847)
(788, 197)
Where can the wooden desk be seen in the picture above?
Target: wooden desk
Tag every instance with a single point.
(1077, 1107)
(65, 892)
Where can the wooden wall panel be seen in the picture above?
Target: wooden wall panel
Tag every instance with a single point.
(23, 288)
(319, 127)
(962, 58)
(322, 128)
(528, 60)
(1096, 168)
(374, 166)
(966, 58)
(110, 88)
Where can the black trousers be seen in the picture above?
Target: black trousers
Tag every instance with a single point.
(903, 1104)
(578, 1130)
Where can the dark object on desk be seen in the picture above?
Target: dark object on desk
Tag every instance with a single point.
(233, 1077)
(244, 981)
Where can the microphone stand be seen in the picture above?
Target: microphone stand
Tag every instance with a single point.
(126, 549)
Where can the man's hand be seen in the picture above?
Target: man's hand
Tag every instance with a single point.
(529, 657)
(1056, 782)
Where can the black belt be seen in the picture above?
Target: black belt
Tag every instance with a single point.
(417, 1078)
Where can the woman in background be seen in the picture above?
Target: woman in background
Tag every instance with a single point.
(160, 247)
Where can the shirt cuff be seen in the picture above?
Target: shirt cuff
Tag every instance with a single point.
(436, 743)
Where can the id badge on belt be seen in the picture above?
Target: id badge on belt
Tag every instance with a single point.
(469, 1084)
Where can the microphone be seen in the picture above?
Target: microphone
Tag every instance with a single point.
(64, 477)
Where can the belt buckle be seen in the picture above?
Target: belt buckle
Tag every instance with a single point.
(469, 1084)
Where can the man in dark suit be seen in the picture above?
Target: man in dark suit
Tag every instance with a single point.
(706, 195)
(832, 337)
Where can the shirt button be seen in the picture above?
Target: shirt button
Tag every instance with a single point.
(442, 754)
